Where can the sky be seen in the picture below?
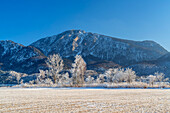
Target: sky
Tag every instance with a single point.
(25, 21)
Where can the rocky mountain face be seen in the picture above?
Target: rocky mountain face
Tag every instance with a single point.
(123, 52)
(99, 51)
(14, 56)
(162, 64)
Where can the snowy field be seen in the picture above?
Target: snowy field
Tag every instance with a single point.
(53, 100)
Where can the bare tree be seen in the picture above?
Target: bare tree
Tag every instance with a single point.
(78, 70)
(55, 65)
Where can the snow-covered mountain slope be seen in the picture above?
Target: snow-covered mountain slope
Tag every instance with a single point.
(100, 52)
(14, 56)
(162, 64)
(123, 52)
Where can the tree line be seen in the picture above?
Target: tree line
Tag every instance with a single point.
(78, 75)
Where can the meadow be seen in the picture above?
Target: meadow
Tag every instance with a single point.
(67, 100)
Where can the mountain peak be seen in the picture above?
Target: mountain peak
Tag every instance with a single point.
(74, 31)
(96, 49)
(10, 42)
(73, 42)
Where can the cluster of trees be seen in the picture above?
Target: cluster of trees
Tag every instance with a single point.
(78, 75)
(116, 75)
(157, 77)
(54, 74)
(16, 76)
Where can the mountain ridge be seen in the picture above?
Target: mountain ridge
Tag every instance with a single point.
(87, 43)
(99, 51)
(14, 56)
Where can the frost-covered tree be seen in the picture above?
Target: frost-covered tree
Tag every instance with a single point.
(166, 79)
(90, 73)
(55, 65)
(89, 80)
(41, 77)
(21, 81)
(129, 75)
(64, 79)
(100, 78)
(110, 74)
(48, 81)
(17, 75)
(31, 82)
(119, 75)
(78, 70)
(42, 74)
(114, 75)
(159, 76)
(151, 79)
(143, 79)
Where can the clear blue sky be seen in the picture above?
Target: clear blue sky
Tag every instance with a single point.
(25, 21)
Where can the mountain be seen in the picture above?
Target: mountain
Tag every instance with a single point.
(164, 58)
(119, 51)
(162, 64)
(99, 51)
(14, 56)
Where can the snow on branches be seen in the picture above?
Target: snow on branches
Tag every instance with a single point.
(78, 70)
(55, 65)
